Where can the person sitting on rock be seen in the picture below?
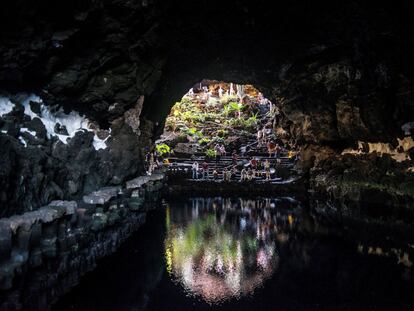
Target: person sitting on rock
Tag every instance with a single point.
(267, 169)
(194, 169)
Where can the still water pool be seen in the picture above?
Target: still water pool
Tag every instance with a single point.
(245, 254)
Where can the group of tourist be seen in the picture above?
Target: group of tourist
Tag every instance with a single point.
(255, 169)
(153, 161)
(264, 135)
(248, 172)
(220, 151)
(264, 138)
(240, 170)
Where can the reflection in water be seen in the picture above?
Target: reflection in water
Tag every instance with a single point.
(223, 248)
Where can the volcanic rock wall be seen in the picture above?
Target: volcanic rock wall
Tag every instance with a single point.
(341, 73)
(45, 252)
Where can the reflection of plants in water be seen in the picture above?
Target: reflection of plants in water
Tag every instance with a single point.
(205, 240)
(217, 260)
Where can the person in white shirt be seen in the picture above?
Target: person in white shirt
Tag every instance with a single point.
(194, 169)
(223, 150)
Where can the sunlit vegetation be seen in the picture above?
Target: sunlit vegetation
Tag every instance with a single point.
(215, 114)
(208, 253)
(162, 149)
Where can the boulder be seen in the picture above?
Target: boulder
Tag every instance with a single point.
(69, 207)
(99, 221)
(36, 125)
(136, 204)
(60, 129)
(137, 182)
(35, 107)
(186, 148)
(101, 196)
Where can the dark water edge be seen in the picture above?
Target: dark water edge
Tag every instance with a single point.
(315, 271)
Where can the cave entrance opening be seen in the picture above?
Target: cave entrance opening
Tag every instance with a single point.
(223, 131)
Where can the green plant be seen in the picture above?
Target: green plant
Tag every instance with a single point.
(232, 107)
(251, 122)
(217, 140)
(222, 133)
(204, 141)
(194, 132)
(210, 153)
(163, 149)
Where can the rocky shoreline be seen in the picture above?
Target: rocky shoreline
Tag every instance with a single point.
(358, 180)
(44, 253)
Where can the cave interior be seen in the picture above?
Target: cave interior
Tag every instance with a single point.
(86, 88)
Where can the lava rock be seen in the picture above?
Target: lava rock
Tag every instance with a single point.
(60, 129)
(35, 107)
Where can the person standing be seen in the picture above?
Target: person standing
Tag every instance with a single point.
(250, 174)
(225, 174)
(271, 148)
(228, 173)
(234, 157)
(259, 137)
(253, 165)
(264, 135)
(243, 174)
(267, 169)
(222, 150)
(194, 169)
(277, 151)
(220, 92)
(217, 150)
(205, 170)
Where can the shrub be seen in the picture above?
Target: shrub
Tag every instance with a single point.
(162, 149)
(210, 153)
(222, 133)
(217, 140)
(194, 132)
(204, 141)
(232, 107)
